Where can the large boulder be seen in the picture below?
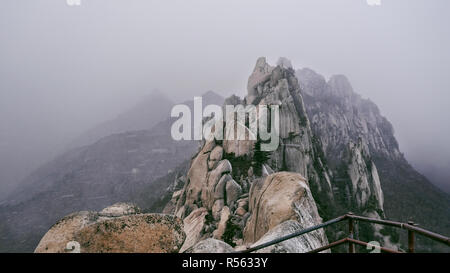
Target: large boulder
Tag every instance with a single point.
(194, 225)
(196, 179)
(201, 189)
(119, 228)
(224, 217)
(141, 233)
(208, 194)
(215, 157)
(278, 198)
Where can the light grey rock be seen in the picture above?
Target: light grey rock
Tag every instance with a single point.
(217, 208)
(364, 179)
(299, 244)
(215, 157)
(196, 180)
(208, 192)
(219, 192)
(194, 225)
(210, 246)
(224, 217)
(120, 209)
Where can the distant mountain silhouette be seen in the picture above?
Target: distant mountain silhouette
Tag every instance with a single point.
(142, 116)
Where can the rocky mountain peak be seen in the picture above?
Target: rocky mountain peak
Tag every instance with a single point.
(284, 62)
(227, 177)
(340, 85)
(222, 197)
(311, 82)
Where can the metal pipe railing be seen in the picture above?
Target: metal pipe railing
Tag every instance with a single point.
(333, 244)
(361, 243)
(410, 227)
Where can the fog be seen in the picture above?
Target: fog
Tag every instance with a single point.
(64, 69)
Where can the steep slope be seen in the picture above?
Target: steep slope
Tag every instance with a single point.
(115, 169)
(435, 171)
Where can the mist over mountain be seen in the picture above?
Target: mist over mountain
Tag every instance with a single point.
(35, 136)
(435, 169)
(127, 165)
(66, 69)
(144, 115)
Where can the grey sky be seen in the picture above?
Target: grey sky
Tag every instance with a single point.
(63, 69)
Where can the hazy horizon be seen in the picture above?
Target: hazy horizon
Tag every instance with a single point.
(64, 68)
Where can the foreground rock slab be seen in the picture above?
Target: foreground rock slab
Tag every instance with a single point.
(280, 204)
(92, 232)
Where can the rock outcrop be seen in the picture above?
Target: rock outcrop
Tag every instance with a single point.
(239, 189)
(119, 228)
(194, 226)
(278, 198)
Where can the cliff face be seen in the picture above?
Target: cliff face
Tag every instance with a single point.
(329, 143)
(360, 148)
(338, 116)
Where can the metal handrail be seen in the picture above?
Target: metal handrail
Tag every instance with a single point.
(350, 240)
(410, 227)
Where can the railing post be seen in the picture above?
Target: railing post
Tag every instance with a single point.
(411, 238)
(351, 246)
